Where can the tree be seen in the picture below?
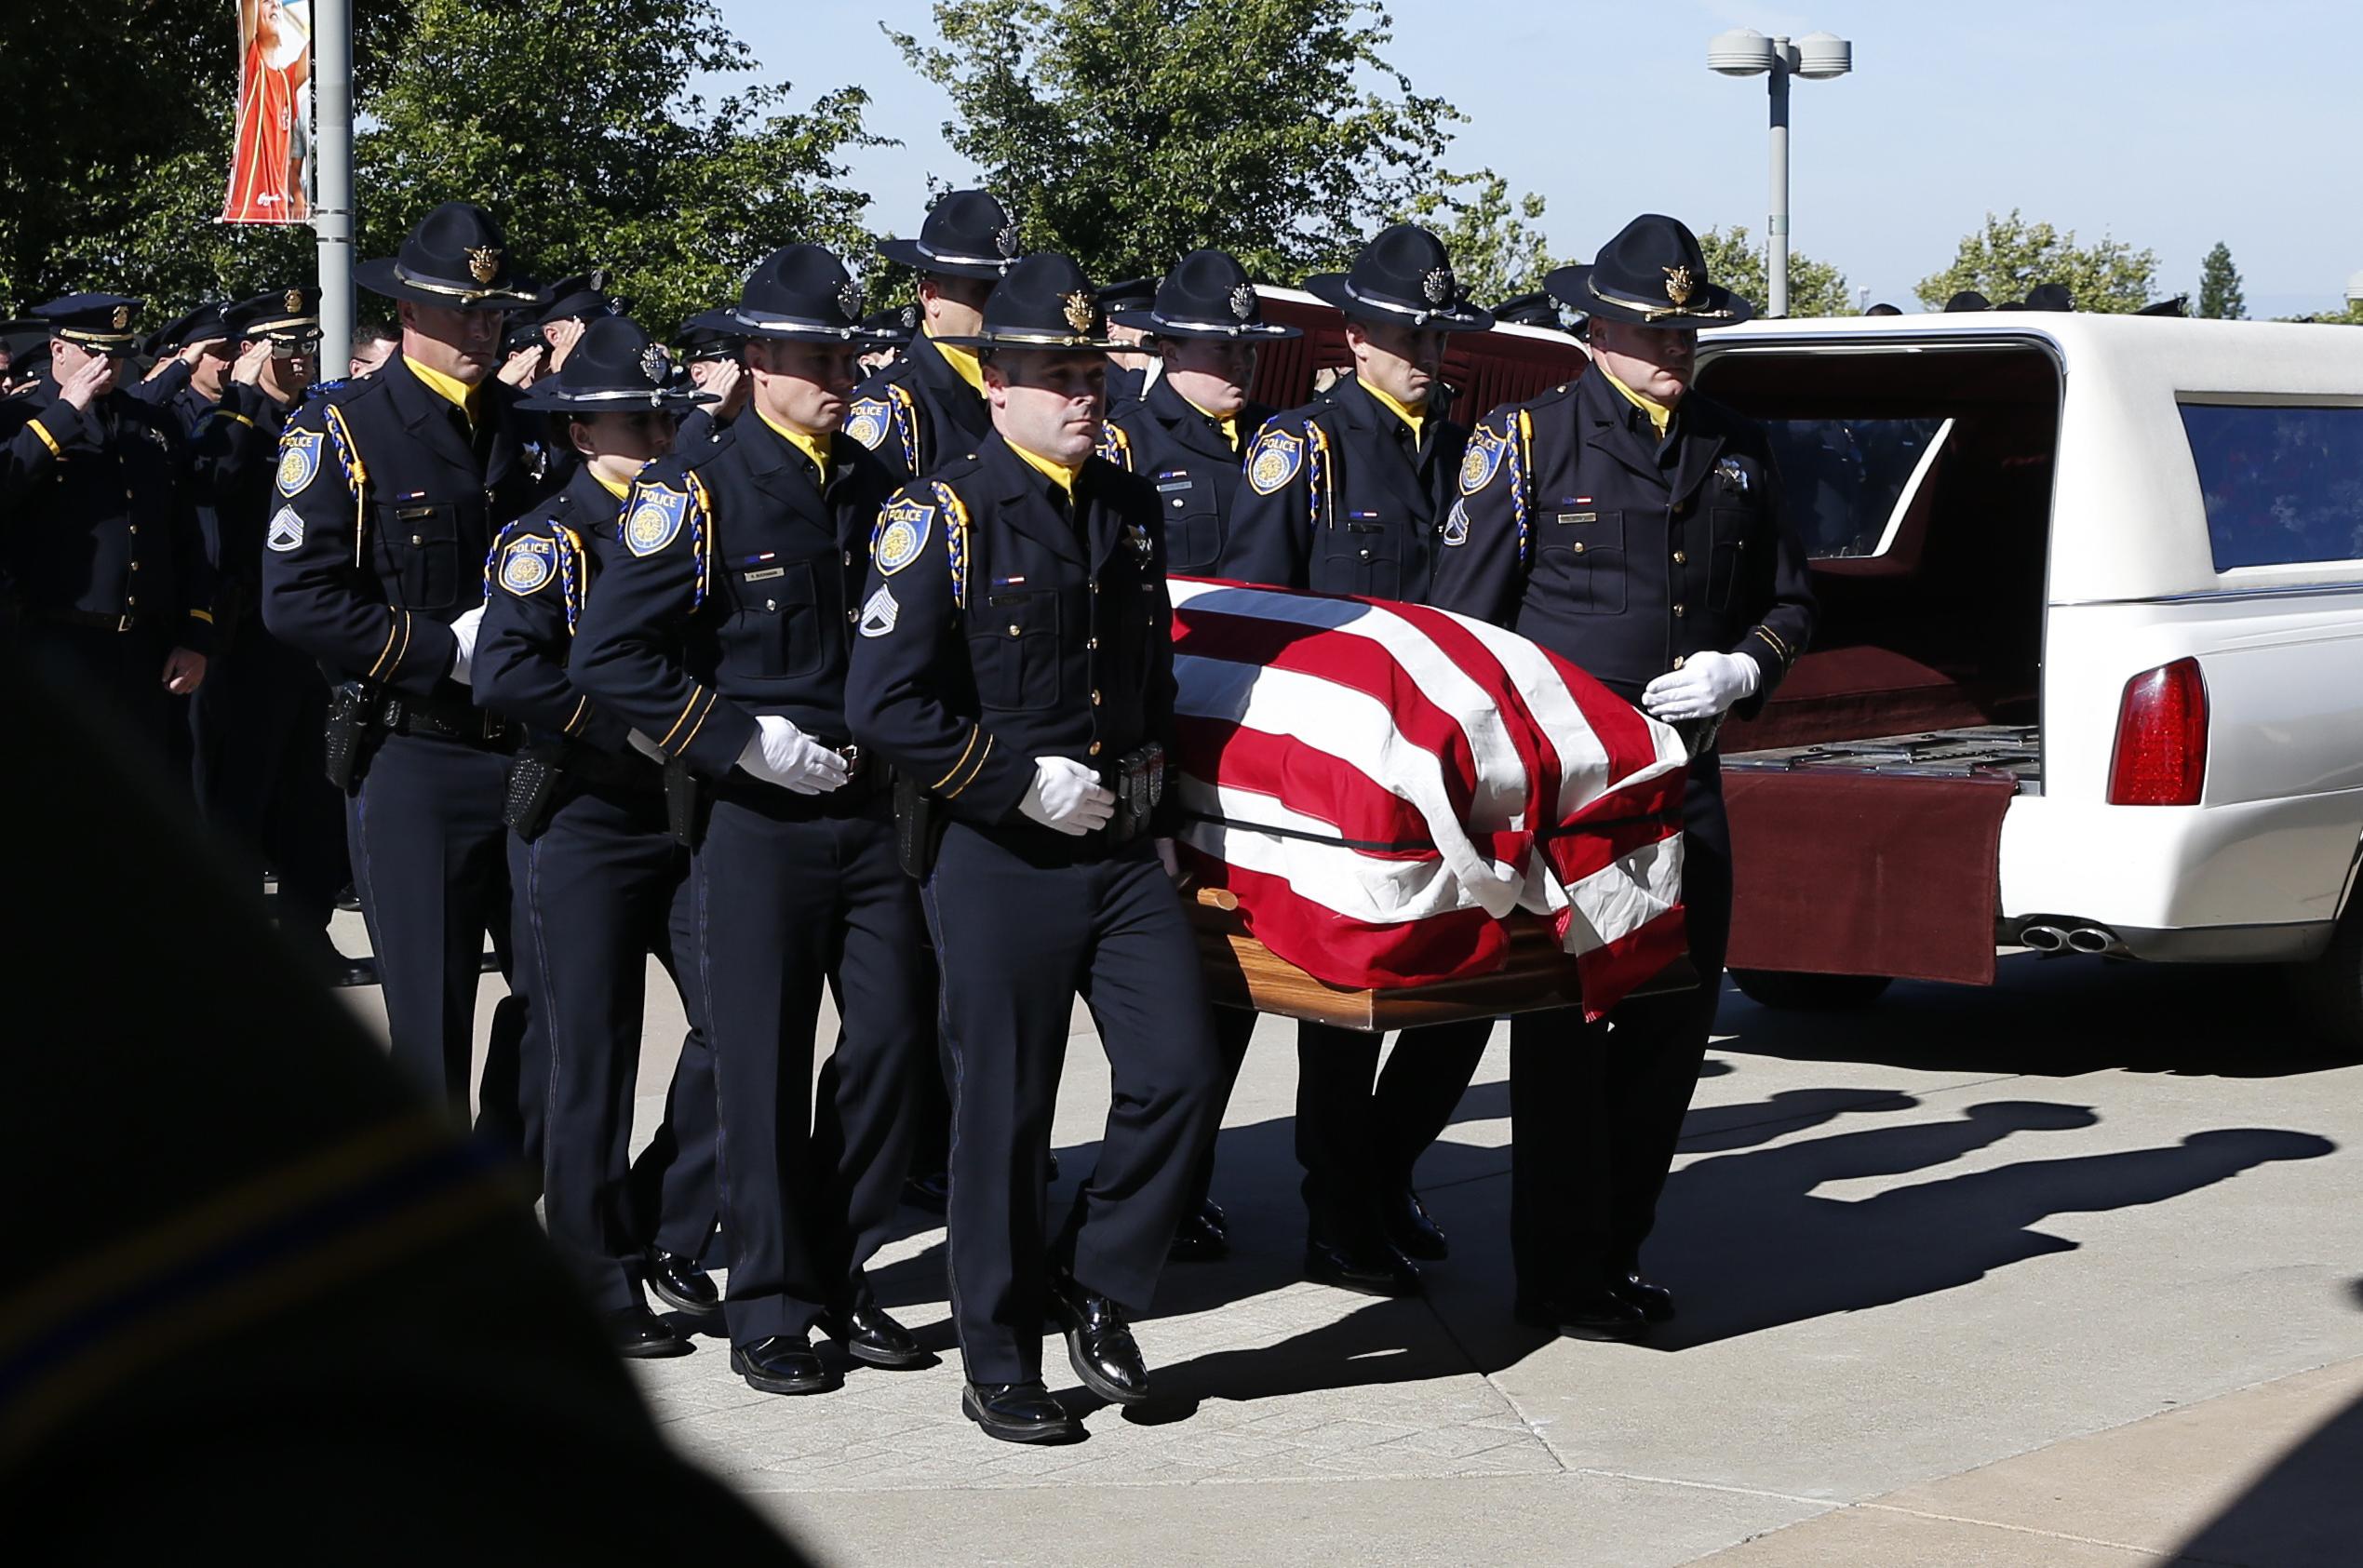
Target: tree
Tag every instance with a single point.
(1815, 288)
(573, 121)
(2011, 256)
(1128, 132)
(1495, 254)
(2219, 298)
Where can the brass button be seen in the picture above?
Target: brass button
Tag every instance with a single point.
(1680, 557)
(1094, 748)
(771, 604)
(854, 616)
(1677, 610)
(135, 528)
(1095, 699)
(1094, 587)
(130, 601)
(135, 565)
(1093, 645)
(417, 539)
(1016, 630)
(1177, 503)
(849, 558)
(128, 496)
(1679, 662)
(1579, 546)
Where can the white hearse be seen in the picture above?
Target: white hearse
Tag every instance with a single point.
(2090, 671)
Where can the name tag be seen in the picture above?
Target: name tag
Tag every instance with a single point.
(1566, 517)
(766, 574)
(1183, 485)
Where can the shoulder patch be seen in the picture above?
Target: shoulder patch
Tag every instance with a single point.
(299, 461)
(655, 518)
(867, 420)
(528, 564)
(287, 530)
(1274, 460)
(1482, 459)
(901, 535)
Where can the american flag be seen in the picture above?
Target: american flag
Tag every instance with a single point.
(1383, 785)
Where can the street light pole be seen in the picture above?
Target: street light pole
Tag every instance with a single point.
(332, 202)
(1817, 55)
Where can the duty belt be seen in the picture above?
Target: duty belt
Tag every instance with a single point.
(90, 618)
(409, 715)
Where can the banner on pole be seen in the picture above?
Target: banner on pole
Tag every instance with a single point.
(271, 164)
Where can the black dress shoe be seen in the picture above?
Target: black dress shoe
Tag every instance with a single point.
(1211, 1213)
(1379, 1270)
(633, 1331)
(680, 1284)
(1050, 1171)
(1198, 1241)
(347, 900)
(1410, 1228)
(871, 1335)
(1593, 1314)
(1018, 1412)
(931, 1192)
(1100, 1342)
(318, 956)
(785, 1363)
(1647, 1297)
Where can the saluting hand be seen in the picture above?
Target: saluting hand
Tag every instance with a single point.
(247, 371)
(87, 385)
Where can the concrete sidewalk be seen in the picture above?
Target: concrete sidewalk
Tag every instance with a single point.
(2056, 1273)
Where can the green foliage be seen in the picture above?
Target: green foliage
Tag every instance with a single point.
(573, 121)
(1495, 253)
(1739, 264)
(2351, 316)
(2011, 256)
(2219, 298)
(1128, 132)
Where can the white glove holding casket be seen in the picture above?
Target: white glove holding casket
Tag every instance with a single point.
(1067, 797)
(645, 746)
(464, 633)
(1706, 685)
(782, 754)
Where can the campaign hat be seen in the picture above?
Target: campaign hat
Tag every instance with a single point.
(1045, 302)
(1404, 276)
(614, 368)
(457, 258)
(1652, 274)
(967, 233)
(584, 295)
(798, 293)
(696, 341)
(895, 324)
(1206, 295)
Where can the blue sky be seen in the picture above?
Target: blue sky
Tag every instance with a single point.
(2169, 127)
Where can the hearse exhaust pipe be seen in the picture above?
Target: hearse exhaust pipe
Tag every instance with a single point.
(2093, 939)
(2044, 939)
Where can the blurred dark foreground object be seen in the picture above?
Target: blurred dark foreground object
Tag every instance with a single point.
(256, 1292)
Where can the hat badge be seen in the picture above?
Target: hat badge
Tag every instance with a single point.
(656, 364)
(1005, 238)
(1080, 311)
(293, 301)
(849, 298)
(484, 263)
(1436, 288)
(909, 318)
(1242, 301)
(122, 317)
(1679, 285)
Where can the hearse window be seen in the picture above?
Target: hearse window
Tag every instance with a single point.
(2282, 486)
(1843, 477)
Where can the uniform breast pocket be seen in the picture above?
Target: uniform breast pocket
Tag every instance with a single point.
(775, 632)
(1729, 529)
(1364, 556)
(1013, 648)
(423, 544)
(1585, 551)
(1193, 525)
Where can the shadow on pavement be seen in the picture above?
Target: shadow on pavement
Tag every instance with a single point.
(2305, 1512)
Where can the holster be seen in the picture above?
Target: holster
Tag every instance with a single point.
(1138, 782)
(919, 827)
(536, 775)
(681, 802)
(353, 734)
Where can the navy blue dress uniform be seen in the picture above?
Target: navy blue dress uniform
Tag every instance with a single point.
(698, 342)
(261, 718)
(1126, 383)
(1016, 630)
(721, 631)
(102, 559)
(921, 410)
(172, 387)
(601, 884)
(389, 491)
(1631, 551)
(1344, 496)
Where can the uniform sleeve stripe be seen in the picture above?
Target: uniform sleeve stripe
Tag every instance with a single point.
(712, 701)
(954, 792)
(393, 625)
(582, 710)
(682, 717)
(46, 440)
(204, 615)
(974, 731)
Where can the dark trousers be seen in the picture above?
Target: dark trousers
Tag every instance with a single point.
(791, 897)
(260, 723)
(1359, 1130)
(599, 889)
(1018, 936)
(1596, 1110)
(1234, 1026)
(116, 675)
(430, 861)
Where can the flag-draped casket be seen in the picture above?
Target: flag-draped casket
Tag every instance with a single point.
(1389, 788)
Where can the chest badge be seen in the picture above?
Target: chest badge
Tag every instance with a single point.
(528, 565)
(1137, 537)
(902, 534)
(1274, 460)
(299, 461)
(655, 519)
(1734, 476)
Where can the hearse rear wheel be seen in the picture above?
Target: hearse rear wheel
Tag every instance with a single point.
(1791, 991)
(2329, 991)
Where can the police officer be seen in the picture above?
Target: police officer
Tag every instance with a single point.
(1343, 496)
(600, 881)
(259, 721)
(720, 631)
(893, 326)
(929, 405)
(1016, 664)
(1133, 364)
(1636, 528)
(389, 490)
(712, 358)
(102, 555)
(200, 348)
(575, 302)
(1186, 436)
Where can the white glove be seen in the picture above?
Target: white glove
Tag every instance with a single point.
(645, 746)
(1067, 797)
(1706, 685)
(782, 754)
(464, 633)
